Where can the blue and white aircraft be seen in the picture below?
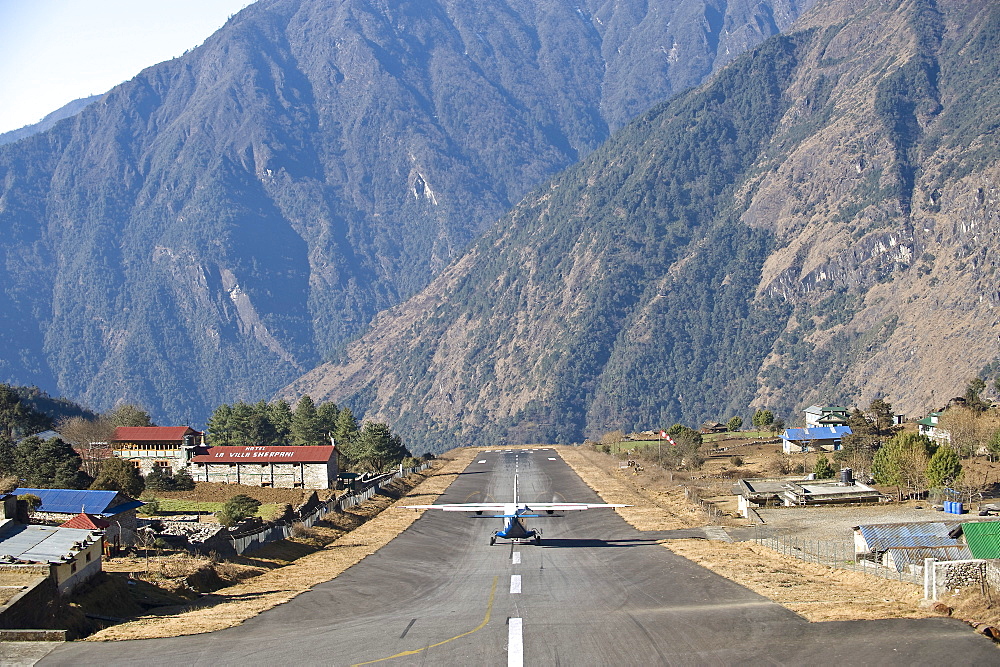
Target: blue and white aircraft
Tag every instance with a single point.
(513, 515)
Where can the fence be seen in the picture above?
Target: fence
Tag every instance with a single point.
(244, 542)
(839, 553)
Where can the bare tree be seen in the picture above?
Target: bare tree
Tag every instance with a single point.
(91, 438)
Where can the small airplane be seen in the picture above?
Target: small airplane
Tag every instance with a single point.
(513, 515)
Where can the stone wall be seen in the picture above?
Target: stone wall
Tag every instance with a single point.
(277, 475)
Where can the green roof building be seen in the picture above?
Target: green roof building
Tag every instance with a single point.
(983, 538)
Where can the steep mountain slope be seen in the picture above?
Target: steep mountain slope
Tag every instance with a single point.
(817, 223)
(211, 229)
(65, 111)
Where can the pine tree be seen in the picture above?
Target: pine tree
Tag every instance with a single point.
(943, 468)
(119, 475)
(241, 425)
(281, 419)
(346, 429)
(377, 448)
(305, 423)
(328, 413)
(219, 427)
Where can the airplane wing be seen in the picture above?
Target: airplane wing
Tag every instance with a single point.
(462, 507)
(566, 507)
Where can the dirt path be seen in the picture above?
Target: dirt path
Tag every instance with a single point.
(231, 606)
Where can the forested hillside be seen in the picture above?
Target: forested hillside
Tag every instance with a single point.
(212, 229)
(818, 223)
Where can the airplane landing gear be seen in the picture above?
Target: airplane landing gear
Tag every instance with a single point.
(493, 540)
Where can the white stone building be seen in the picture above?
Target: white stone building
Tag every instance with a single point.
(306, 467)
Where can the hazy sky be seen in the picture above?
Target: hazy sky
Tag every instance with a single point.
(55, 51)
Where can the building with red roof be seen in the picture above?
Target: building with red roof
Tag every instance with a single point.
(86, 522)
(168, 448)
(306, 467)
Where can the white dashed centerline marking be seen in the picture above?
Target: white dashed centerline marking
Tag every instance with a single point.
(551, 458)
(515, 584)
(483, 461)
(515, 643)
(515, 558)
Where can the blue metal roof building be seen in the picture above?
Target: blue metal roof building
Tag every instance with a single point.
(814, 438)
(75, 501)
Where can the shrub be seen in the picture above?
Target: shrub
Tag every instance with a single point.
(736, 460)
(183, 481)
(236, 509)
(158, 480)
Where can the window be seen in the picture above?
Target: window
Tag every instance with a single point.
(72, 568)
(88, 556)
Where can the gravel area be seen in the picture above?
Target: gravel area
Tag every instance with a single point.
(831, 523)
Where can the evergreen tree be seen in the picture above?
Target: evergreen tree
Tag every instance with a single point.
(260, 429)
(944, 468)
(240, 424)
(119, 475)
(16, 417)
(281, 419)
(377, 448)
(219, 427)
(881, 416)
(328, 413)
(158, 480)
(823, 469)
(734, 424)
(762, 419)
(183, 480)
(346, 430)
(50, 463)
(236, 509)
(305, 423)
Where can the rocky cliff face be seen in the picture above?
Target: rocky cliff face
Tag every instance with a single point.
(816, 224)
(211, 229)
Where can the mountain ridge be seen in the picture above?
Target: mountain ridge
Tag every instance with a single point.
(737, 247)
(254, 203)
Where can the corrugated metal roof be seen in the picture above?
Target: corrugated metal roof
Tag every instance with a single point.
(42, 544)
(816, 433)
(915, 555)
(74, 501)
(86, 522)
(983, 538)
(880, 537)
(262, 454)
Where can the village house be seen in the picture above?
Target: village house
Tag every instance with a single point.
(306, 467)
(167, 448)
(929, 426)
(817, 415)
(61, 505)
(71, 555)
(818, 438)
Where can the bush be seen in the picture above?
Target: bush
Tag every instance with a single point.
(736, 460)
(236, 509)
(183, 481)
(158, 480)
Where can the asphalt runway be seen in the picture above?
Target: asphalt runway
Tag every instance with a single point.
(596, 592)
